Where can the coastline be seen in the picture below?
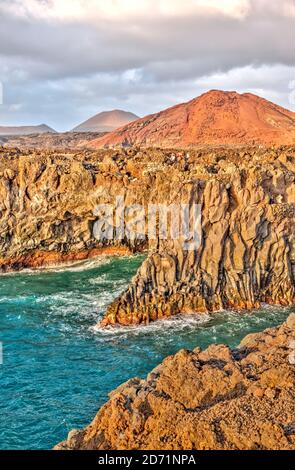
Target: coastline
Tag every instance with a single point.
(44, 259)
(147, 232)
(245, 306)
(246, 250)
(213, 399)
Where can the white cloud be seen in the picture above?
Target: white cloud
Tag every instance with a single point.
(123, 9)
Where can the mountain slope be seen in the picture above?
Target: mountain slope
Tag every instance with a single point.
(106, 121)
(25, 130)
(216, 117)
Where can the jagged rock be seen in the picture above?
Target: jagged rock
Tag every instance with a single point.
(48, 202)
(219, 399)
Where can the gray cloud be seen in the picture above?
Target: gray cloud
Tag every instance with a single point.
(62, 70)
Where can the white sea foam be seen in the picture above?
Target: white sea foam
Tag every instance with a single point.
(183, 323)
(176, 322)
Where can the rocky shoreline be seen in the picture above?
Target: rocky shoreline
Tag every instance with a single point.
(247, 251)
(213, 399)
(221, 399)
(43, 259)
(48, 203)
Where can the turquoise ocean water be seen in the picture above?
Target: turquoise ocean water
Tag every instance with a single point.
(58, 369)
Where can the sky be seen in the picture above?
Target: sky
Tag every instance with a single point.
(62, 61)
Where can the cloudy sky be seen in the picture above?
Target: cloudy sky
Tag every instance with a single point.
(62, 61)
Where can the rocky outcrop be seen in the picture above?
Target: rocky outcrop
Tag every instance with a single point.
(213, 118)
(247, 251)
(222, 399)
(48, 204)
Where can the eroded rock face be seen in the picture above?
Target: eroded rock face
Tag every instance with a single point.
(48, 206)
(219, 398)
(247, 252)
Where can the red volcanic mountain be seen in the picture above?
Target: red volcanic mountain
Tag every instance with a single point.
(214, 118)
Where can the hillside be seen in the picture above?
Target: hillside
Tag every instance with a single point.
(25, 130)
(106, 121)
(214, 118)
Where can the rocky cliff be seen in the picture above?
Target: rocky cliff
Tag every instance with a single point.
(247, 251)
(48, 204)
(47, 201)
(223, 399)
(212, 118)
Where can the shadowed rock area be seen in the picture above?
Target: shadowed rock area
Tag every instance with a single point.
(242, 399)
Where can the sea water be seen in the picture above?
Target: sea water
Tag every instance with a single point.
(58, 368)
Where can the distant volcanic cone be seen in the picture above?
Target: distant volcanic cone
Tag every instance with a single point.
(106, 121)
(214, 118)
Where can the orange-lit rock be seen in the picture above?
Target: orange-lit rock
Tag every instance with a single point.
(219, 399)
(214, 118)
